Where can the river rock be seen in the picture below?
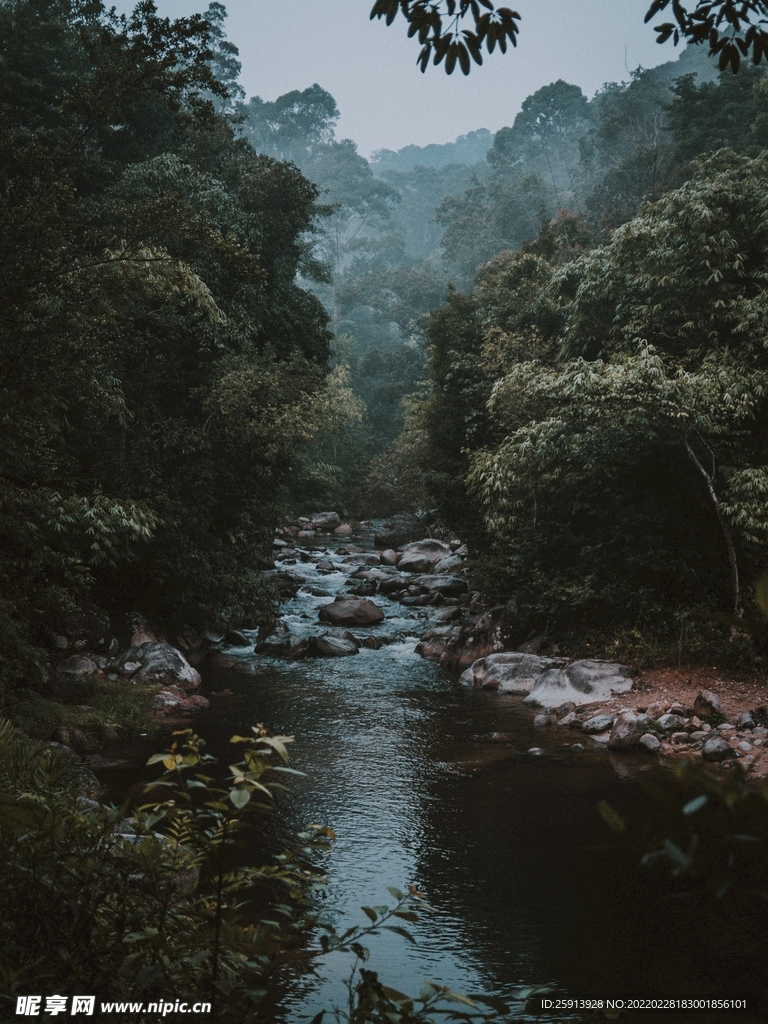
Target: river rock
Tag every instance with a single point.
(717, 748)
(670, 722)
(389, 557)
(649, 742)
(328, 645)
(423, 555)
(236, 638)
(79, 740)
(343, 531)
(582, 682)
(353, 611)
(449, 614)
(746, 721)
(508, 672)
(597, 724)
(160, 663)
(73, 678)
(448, 586)
(450, 564)
(394, 583)
(172, 700)
(707, 704)
(326, 521)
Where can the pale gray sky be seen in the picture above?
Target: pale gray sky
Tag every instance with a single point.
(386, 102)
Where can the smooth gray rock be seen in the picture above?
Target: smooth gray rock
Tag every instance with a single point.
(717, 749)
(541, 721)
(331, 646)
(649, 742)
(326, 521)
(577, 747)
(451, 564)
(582, 682)
(707, 704)
(744, 746)
(354, 611)
(627, 730)
(680, 737)
(160, 663)
(600, 723)
(423, 555)
(389, 557)
(669, 722)
(746, 721)
(535, 751)
(448, 586)
(508, 671)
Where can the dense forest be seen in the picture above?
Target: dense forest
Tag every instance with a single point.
(217, 314)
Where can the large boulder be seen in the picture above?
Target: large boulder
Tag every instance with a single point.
(351, 611)
(423, 555)
(508, 672)
(156, 662)
(582, 682)
(326, 521)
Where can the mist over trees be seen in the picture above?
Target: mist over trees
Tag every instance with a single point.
(216, 310)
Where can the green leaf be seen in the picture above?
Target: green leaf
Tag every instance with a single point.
(696, 804)
(370, 913)
(240, 797)
(402, 932)
(612, 819)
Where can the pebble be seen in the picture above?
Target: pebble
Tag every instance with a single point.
(541, 722)
(680, 737)
(535, 751)
(744, 746)
(577, 747)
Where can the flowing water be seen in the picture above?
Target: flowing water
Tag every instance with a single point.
(408, 767)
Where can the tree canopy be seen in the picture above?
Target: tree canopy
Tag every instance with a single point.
(732, 28)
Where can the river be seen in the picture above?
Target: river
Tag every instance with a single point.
(407, 766)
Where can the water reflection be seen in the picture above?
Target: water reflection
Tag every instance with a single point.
(401, 761)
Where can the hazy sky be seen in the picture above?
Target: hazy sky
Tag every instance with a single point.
(386, 102)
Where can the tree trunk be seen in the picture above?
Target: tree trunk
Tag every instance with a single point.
(738, 610)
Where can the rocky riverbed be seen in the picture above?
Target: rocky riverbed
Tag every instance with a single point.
(343, 597)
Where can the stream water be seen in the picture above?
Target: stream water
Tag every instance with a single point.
(401, 760)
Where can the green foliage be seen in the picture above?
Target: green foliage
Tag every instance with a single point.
(732, 28)
(162, 369)
(151, 907)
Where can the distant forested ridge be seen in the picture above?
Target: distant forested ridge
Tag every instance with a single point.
(215, 311)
